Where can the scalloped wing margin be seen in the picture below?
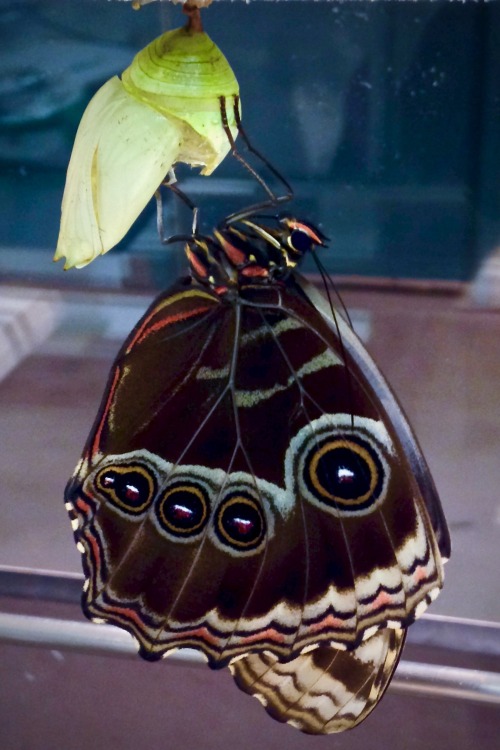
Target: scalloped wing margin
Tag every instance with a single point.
(326, 690)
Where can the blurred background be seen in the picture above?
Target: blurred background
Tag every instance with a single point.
(385, 117)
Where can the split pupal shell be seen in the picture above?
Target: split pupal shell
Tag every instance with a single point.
(122, 152)
(184, 75)
(165, 110)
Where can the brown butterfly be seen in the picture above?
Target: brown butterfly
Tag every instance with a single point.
(252, 489)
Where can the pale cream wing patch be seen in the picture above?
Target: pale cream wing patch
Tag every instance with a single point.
(326, 690)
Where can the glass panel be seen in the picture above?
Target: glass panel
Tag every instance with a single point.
(73, 700)
(384, 116)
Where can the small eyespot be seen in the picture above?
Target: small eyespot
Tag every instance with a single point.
(182, 510)
(240, 522)
(130, 488)
(345, 473)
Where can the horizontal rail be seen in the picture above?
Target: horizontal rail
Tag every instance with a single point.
(434, 631)
(413, 678)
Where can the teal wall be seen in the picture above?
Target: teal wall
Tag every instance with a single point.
(384, 116)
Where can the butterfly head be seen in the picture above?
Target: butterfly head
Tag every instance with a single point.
(299, 237)
(270, 250)
(250, 251)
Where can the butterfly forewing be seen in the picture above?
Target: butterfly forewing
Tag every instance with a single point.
(395, 417)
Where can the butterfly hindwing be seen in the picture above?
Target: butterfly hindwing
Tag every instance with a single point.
(326, 690)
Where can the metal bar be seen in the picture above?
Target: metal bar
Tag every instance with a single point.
(437, 681)
(29, 630)
(427, 680)
(434, 631)
(40, 585)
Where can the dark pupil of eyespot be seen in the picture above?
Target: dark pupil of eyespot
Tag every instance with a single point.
(242, 522)
(131, 487)
(301, 241)
(344, 474)
(183, 510)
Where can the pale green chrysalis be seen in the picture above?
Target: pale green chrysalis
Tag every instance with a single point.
(165, 109)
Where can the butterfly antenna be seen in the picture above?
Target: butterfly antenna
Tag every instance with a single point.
(327, 285)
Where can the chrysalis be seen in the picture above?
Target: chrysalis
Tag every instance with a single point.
(165, 108)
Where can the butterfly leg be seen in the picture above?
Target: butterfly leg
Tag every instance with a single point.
(171, 184)
(273, 199)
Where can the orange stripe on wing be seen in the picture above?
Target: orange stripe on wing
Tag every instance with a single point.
(97, 436)
(127, 613)
(264, 635)
(82, 505)
(142, 332)
(327, 623)
(168, 321)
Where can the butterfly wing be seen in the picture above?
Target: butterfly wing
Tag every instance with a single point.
(395, 414)
(326, 690)
(246, 491)
(329, 690)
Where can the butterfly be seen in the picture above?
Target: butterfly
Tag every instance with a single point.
(252, 489)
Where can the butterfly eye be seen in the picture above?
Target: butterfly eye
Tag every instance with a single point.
(345, 473)
(130, 489)
(183, 510)
(300, 241)
(240, 523)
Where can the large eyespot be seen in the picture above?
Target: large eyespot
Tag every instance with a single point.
(129, 487)
(240, 523)
(183, 509)
(340, 464)
(344, 472)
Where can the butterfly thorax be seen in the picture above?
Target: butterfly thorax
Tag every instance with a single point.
(248, 251)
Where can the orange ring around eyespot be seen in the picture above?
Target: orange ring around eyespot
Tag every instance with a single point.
(125, 469)
(362, 452)
(190, 489)
(245, 501)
